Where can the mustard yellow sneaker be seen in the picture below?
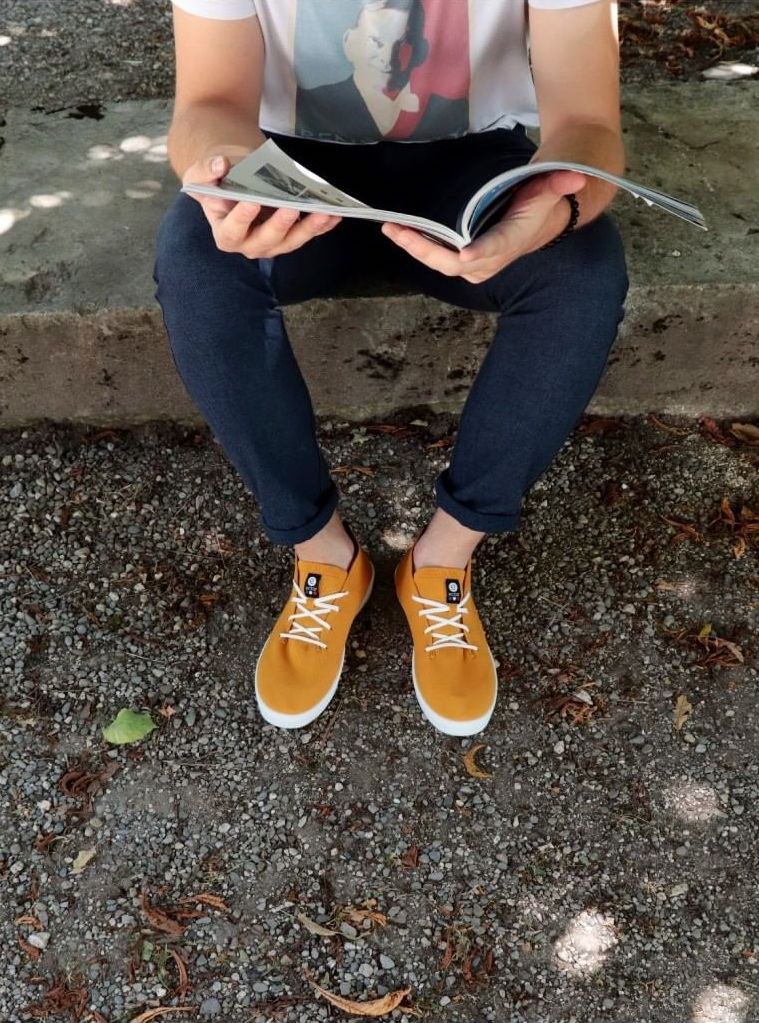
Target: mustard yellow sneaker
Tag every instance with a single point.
(453, 670)
(301, 662)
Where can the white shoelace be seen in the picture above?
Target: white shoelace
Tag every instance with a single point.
(322, 606)
(434, 613)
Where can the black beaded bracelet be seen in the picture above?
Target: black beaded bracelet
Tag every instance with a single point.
(573, 218)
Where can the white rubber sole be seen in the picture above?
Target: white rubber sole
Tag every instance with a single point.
(449, 726)
(275, 717)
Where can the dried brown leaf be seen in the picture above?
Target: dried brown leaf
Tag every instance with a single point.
(599, 425)
(357, 915)
(710, 429)
(410, 858)
(206, 899)
(677, 431)
(83, 857)
(32, 921)
(448, 955)
(60, 999)
(183, 978)
(160, 920)
(612, 493)
(364, 470)
(746, 432)
(375, 1008)
(43, 841)
(734, 649)
(314, 928)
(686, 530)
(31, 951)
(471, 765)
(682, 711)
(146, 1017)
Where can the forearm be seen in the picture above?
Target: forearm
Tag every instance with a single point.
(596, 146)
(202, 130)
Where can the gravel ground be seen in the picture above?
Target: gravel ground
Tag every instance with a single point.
(87, 52)
(606, 869)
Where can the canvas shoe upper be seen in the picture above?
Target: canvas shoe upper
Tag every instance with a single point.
(453, 670)
(301, 662)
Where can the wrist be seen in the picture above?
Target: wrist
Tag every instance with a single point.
(566, 216)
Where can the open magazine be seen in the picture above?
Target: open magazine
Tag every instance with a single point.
(270, 177)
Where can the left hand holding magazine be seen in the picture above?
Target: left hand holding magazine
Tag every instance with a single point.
(536, 214)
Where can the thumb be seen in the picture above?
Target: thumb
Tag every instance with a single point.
(564, 182)
(218, 166)
(206, 171)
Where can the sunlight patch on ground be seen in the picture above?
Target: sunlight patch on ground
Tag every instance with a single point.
(48, 201)
(152, 149)
(8, 217)
(586, 943)
(693, 802)
(143, 189)
(103, 151)
(729, 70)
(136, 144)
(720, 1003)
(398, 539)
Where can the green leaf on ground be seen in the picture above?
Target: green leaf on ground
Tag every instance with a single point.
(128, 726)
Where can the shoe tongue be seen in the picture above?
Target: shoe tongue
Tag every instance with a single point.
(438, 583)
(319, 580)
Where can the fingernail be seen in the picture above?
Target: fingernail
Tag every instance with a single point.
(217, 164)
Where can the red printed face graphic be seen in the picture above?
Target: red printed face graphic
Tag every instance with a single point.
(393, 69)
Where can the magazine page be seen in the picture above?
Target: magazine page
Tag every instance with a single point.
(437, 232)
(475, 214)
(269, 176)
(269, 173)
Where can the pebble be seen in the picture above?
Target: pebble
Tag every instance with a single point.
(210, 1007)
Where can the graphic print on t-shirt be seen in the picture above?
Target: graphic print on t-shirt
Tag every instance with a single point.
(373, 69)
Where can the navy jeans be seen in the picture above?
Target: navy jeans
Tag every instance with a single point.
(559, 310)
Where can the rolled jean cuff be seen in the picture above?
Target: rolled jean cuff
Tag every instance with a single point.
(481, 522)
(299, 534)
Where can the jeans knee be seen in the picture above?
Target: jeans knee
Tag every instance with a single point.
(184, 244)
(595, 260)
(191, 274)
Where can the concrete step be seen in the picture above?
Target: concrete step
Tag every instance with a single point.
(81, 337)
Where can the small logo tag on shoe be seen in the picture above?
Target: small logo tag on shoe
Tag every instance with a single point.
(452, 591)
(311, 589)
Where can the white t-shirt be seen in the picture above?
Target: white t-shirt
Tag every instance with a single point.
(361, 71)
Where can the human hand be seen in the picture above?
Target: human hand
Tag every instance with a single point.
(536, 214)
(246, 227)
